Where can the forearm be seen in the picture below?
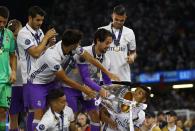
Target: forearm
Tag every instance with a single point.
(106, 79)
(84, 72)
(38, 50)
(13, 62)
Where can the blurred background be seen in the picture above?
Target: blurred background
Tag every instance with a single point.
(165, 38)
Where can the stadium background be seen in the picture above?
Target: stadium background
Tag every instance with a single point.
(165, 38)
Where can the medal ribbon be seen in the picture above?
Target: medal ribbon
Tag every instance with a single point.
(116, 40)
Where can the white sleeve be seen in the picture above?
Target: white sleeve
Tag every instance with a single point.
(71, 117)
(24, 39)
(130, 38)
(141, 116)
(44, 124)
(79, 51)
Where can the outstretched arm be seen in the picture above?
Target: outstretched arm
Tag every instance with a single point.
(62, 76)
(96, 63)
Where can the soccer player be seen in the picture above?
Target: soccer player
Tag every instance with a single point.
(59, 117)
(85, 73)
(7, 60)
(31, 45)
(48, 67)
(120, 121)
(17, 105)
(122, 51)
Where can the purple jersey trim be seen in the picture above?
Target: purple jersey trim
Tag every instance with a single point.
(106, 79)
(84, 72)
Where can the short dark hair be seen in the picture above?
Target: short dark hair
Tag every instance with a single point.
(171, 113)
(36, 10)
(13, 25)
(119, 10)
(71, 37)
(150, 114)
(101, 35)
(54, 94)
(4, 12)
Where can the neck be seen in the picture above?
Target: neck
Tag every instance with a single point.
(30, 24)
(171, 125)
(97, 52)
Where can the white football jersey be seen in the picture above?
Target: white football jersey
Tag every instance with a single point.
(94, 72)
(26, 39)
(118, 54)
(52, 121)
(122, 120)
(49, 63)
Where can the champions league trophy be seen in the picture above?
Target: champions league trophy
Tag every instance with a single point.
(119, 101)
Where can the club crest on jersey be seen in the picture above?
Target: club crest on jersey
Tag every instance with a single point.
(41, 127)
(27, 42)
(39, 103)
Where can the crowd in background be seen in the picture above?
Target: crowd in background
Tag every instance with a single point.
(164, 30)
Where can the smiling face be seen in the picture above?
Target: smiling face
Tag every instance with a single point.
(103, 46)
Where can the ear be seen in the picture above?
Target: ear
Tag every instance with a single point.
(125, 17)
(29, 18)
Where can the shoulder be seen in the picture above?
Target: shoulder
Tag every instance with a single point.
(67, 109)
(108, 27)
(165, 129)
(9, 33)
(88, 49)
(178, 129)
(156, 128)
(127, 30)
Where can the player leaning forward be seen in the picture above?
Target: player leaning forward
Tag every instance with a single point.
(48, 67)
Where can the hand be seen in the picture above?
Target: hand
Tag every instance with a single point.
(103, 93)
(89, 92)
(12, 78)
(52, 41)
(113, 77)
(50, 33)
(112, 124)
(130, 59)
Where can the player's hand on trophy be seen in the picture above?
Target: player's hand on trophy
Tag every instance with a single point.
(103, 93)
(113, 77)
(89, 92)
